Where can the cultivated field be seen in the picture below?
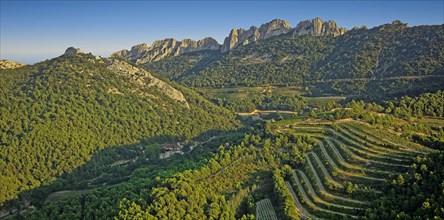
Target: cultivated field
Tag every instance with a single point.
(265, 210)
(345, 172)
(237, 93)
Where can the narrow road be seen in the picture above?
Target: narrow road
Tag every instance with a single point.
(366, 160)
(338, 154)
(393, 153)
(265, 111)
(310, 203)
(303, 212)
(313, 192)
(327, 156)
(324, 170)
(324, 151)
(346, 164)
(414, 145)
(322, 188)
(366, 150)
(381, 79)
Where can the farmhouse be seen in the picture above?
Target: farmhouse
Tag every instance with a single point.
(172, 146)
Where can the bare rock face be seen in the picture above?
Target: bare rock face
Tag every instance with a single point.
(72, 50)
(395, 25)
(160, 49)
(7, 64)
(317, 27)
(240, 37)
(243, 37)
(274, 28)
(144, 78)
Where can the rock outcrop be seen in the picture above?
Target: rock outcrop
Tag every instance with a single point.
(243, 37)
(317, 27)
(395, 25)
(160, 49)
(7, 64)
(72, 50)
(143, 53)
(143, 78)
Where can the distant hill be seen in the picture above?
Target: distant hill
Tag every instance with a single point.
(361, 61)
(57, 113)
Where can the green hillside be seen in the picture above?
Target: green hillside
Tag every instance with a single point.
(57, 113)
(354, 163)
(389, 59)
(310, 169)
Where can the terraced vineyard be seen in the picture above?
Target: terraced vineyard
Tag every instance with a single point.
(345, 172)
(265, 210)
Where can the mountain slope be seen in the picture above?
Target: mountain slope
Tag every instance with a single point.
(169, 47)
(56, 113)
(359, 61)
(386, 51)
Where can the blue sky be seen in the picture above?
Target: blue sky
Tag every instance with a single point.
(32, 31)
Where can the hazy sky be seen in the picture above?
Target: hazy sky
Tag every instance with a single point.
(32, 31)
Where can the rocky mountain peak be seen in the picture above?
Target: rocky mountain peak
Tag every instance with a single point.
(160, 49)
(395, 25)
(72, 50)
(318, 27)
(274, 28)
(140, 47)
(208, 43)
(243, 37)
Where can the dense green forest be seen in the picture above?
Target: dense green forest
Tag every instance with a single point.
(277, 149)
(282, 60)
(225, 177)
(130, 181)
(385, 51)
(71, 123)
(390, 60)
(217, 190)
(418, 194)
(57, 113)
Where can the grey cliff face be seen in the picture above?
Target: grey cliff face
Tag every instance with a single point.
(160, 49)
(143, 78)
(317, 27)
(72, 50)
(243, 37)
(274, 28)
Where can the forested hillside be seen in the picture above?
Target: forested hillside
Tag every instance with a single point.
(333, 168)
(382, 59)
(57, 113)
(310, 169)
(386, 51)
(281, 60)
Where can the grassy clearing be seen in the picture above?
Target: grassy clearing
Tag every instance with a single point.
(249, 92)
(237, 93)
(59, 195)
(322, 100)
